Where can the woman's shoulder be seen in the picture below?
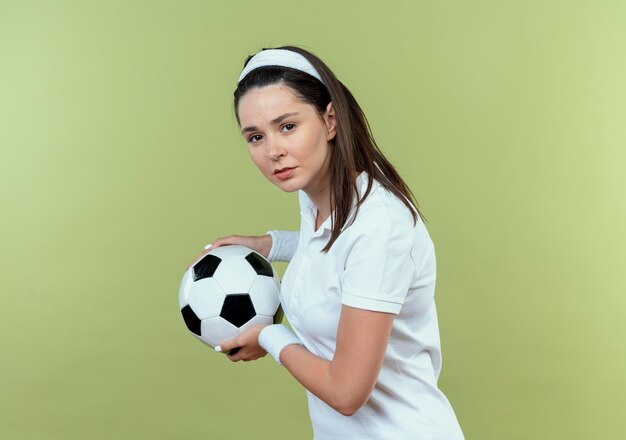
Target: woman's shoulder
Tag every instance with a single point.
(384, 207)
(384, 216)
(383, 200)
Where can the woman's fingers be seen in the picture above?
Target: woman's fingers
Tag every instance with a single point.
(226, 346)
(207, 249)
(231, 239)
(244, 347)
(230, 348)
(261, 244)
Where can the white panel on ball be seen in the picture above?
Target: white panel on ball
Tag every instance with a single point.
(258, 319)
(217, 330)
(206, 298)
(235, 275)
(265, 304)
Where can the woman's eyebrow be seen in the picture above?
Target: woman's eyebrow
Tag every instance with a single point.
(276, 121)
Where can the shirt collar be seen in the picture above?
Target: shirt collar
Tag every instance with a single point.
(309, 210)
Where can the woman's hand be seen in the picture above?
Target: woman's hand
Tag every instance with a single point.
(259, 243)
(244, 347)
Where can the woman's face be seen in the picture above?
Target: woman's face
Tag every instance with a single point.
(287, 139)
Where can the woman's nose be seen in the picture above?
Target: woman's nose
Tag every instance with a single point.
(273, 149)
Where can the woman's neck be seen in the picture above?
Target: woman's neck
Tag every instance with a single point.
(321, 199)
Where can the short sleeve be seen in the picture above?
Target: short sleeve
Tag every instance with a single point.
(379, 267)
(284, 245)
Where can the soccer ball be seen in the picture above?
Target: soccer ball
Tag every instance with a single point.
(226, 292)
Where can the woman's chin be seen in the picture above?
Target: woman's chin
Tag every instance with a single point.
(289, 185)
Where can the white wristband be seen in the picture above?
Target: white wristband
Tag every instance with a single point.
(271, 256)
(284, 244)
(275, 337)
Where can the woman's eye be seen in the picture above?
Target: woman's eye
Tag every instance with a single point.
(254, 138)
(288, 127)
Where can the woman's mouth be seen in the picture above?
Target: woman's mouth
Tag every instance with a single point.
(284, 173)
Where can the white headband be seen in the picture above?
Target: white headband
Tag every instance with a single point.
(280, 57)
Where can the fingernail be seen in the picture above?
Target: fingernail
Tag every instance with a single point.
(208, 245)
(218, 348)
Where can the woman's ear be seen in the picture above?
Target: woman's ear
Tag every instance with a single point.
(331, 121)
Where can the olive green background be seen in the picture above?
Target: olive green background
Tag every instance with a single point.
(120, 159)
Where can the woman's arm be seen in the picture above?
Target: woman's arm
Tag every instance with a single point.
(274, 245)
(346, 382)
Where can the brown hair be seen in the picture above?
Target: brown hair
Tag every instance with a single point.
(353, 148)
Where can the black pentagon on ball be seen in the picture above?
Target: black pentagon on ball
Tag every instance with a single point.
(191, 319)
(238, 309)
(260, 264)
(206, 267)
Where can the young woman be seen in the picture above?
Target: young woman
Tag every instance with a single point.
(358, 290)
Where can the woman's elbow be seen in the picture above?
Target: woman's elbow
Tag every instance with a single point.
(348, 410)
(348, 405)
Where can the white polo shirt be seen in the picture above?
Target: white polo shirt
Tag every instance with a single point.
(381, 262)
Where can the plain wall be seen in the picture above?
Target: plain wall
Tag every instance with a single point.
(120, 158)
